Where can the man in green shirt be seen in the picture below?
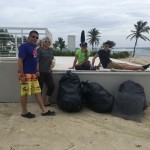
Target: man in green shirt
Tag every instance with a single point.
(82, 56)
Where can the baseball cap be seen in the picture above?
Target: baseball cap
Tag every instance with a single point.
(83, 44)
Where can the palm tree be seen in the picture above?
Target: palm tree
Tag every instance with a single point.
(60, 43)
(55, 44)
(140, 28)
(94, 37)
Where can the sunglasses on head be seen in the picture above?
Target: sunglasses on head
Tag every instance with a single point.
(35, 37)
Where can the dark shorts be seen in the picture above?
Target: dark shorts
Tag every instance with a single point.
(84, 66)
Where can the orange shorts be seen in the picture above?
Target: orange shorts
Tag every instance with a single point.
(31, 85)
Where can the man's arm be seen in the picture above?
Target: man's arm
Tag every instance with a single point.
(53, 63)
(93, 60)
(74, 63)
(20, 68)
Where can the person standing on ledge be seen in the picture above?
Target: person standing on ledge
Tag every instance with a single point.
(46, 63)
(104, 56)
(27, 73)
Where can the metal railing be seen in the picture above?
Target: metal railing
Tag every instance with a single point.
(12, 37)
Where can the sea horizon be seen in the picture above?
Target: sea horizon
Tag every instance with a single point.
(143, 52)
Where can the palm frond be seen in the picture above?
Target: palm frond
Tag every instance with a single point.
(93, 37)
(130, 35)
(144, 37)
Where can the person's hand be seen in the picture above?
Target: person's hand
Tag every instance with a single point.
(52, 64)
(71, 68)
(37, 73)
(97, 67)
(22, 79)
(93, 68)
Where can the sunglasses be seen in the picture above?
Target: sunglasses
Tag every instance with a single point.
(106, 46)
(35, 37)
(46, 41)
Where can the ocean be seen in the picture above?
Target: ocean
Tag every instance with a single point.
(143, 52)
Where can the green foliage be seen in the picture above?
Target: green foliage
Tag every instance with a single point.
(55, 44)
(117, 55)
(6, 53)
(92, 53)
(93, 37)
(64, 53)
(59, 44)
(140, 27)
(5, 37)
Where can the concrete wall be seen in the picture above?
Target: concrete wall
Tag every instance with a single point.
(10, 90)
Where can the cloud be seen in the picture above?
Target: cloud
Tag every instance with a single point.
(114, 19)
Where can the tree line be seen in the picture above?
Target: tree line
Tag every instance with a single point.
(93, 37)
(139, 28)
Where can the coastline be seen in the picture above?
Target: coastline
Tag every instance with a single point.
(136, 60)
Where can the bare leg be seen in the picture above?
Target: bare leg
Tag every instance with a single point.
(23, 100)
(40, 102)
(47, 100)
(132, 67)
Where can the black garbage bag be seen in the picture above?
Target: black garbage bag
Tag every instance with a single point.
(69, 96)
(130, 101)
(96, 97)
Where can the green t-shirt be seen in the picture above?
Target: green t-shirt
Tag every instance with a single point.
(81, 56)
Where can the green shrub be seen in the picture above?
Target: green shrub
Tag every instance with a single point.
(92, 53)
(64, 53)
(4, 51)
(118, 55)
(115, 55)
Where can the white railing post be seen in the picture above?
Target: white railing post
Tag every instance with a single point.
(22, 35)
(17, 31)
(16, 45)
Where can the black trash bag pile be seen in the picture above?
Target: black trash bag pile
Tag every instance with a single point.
(96, 97)
(131, 101)
(69, 95)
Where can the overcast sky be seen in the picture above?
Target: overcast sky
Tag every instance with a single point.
(113, 18)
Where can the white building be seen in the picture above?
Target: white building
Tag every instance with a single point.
(71, 42)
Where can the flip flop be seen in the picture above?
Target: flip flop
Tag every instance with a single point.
(47, 105)
(48, 113)
(28, 115)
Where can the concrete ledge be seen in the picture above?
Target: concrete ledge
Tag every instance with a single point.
(10, 90)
